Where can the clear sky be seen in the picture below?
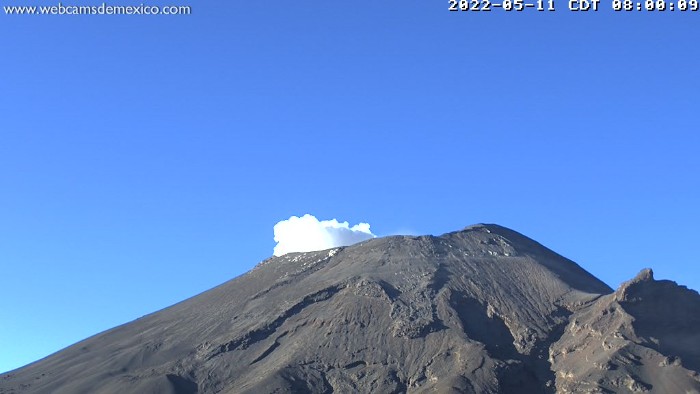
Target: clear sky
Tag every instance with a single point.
(145, 159)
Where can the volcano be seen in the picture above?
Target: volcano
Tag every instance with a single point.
(481, 310)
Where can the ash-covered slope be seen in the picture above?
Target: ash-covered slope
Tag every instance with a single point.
(482, 310)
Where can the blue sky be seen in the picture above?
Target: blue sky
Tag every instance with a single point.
(146, 159)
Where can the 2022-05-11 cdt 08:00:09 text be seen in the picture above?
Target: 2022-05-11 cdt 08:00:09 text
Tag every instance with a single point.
(575, 5)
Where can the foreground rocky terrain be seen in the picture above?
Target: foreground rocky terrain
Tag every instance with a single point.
(482, 310)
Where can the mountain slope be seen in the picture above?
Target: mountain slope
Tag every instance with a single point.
(644, 337)
(480, 310)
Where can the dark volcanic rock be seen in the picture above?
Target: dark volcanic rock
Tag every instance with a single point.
(645, 337)
(482, 310)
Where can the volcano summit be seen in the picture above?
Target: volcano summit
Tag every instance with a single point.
(482, 310)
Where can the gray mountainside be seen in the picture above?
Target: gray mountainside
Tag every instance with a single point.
(482, 310)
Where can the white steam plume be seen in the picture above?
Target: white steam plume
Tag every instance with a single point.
(306, 234)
